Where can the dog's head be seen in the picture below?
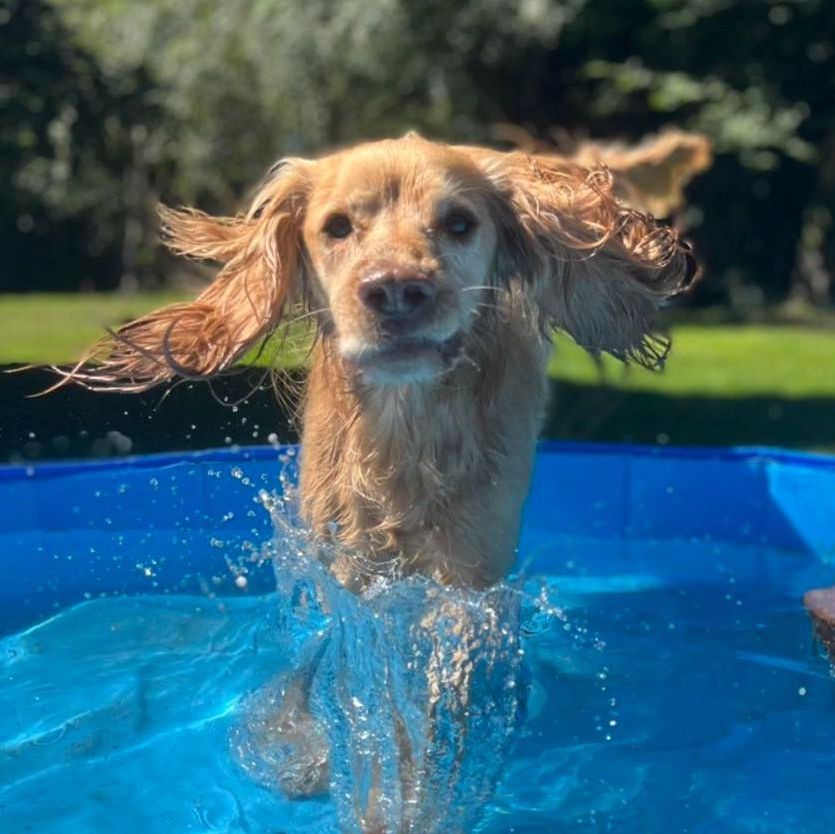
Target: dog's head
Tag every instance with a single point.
(400, 240)
(398, 248)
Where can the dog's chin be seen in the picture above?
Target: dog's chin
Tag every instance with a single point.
(405, 361)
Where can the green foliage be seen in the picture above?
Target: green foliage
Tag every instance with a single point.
(64, 145)
(116, 104)
(247, 80)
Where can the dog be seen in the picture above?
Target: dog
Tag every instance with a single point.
(650, 176)
(435, 274)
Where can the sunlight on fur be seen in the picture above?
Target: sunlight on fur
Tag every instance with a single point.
(434, 275)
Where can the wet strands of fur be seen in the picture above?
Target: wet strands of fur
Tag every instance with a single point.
(434, 275)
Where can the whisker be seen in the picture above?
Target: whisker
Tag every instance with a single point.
(306, 315)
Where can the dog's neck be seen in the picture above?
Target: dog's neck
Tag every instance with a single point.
(409, 474)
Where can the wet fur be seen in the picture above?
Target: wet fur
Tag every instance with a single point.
(428, 476)
(434, 473)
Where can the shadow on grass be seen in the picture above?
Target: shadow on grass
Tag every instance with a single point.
(240, 409)
(588, 412)
(74, 423)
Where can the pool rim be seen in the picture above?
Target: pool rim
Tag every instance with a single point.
(754, 454)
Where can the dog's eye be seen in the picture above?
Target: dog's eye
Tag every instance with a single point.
(459, 223)
(338, 226)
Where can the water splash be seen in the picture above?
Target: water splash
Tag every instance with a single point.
(403, 699)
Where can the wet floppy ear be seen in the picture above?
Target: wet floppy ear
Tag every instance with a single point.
(261, 276)
(596, 269)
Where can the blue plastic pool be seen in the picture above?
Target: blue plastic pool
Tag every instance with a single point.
(650, 670)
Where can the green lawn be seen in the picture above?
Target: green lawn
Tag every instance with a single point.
(721, 360)
(56, 328)
(757, 384)
(789, 361)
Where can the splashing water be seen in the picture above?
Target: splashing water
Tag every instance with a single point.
(401, 701)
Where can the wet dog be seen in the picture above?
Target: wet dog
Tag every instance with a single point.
(435, 275)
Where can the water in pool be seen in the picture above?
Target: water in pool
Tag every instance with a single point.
(653, 698)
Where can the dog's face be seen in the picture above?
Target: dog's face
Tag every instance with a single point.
(401, 240)
(398, 248)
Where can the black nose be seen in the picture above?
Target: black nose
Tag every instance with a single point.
(395, 295)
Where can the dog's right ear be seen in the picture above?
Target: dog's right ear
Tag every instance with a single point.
(261, 276)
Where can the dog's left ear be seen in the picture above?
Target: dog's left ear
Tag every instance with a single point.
(597, 269)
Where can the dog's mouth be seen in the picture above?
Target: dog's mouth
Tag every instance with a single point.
(405, 359)
(406, 348)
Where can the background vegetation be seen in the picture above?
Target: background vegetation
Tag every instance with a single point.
(109, 106)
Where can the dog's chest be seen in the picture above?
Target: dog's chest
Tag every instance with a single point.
(433, 479)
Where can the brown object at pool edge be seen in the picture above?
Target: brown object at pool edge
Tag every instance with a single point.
(821, 605)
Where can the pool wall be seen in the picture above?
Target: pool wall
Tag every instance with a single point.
(170, 522)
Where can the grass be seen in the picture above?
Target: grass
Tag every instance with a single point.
(56, 328)
(791, 361)
(716, 360)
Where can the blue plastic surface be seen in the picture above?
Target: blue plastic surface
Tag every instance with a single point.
(70, 530)
(667, 681)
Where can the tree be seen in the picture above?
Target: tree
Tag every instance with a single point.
(64, 147)
(191, 100)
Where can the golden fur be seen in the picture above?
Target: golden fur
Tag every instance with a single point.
(416, 449)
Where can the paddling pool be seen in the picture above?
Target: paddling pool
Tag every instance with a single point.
(649, 669)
